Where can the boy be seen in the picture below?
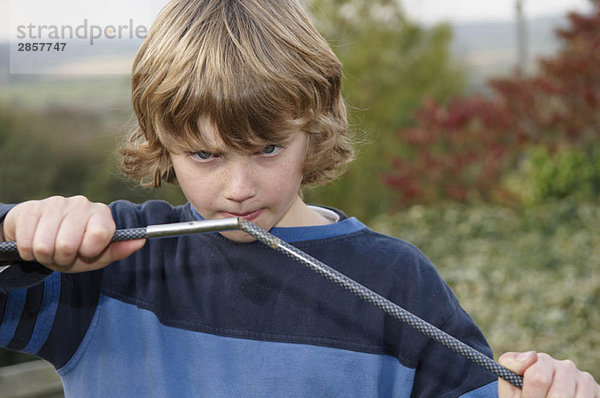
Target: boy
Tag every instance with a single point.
(239, 103)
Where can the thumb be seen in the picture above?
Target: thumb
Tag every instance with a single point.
(115, 251)
(518, 362)
(120, 250)
(7, 228)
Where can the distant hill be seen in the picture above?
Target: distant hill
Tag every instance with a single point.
(489, 49)
(486, 49)
(66, 86)
(4, 61)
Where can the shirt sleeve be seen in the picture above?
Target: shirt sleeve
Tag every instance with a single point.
(48, 313)
(43, 312)
(441, 372)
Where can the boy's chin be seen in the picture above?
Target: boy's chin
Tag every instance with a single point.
(237, 236)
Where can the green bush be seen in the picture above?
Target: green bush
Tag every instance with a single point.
(529, 278)
(565, 173)
(63, 151)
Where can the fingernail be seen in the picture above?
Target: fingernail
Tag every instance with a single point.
(522, 357)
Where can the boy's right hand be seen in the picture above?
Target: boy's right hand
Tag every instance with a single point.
(66, 234)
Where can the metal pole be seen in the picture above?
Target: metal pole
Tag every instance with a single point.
(521, 67)
(8, 250)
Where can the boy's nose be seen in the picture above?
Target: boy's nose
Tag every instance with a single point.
(240, 184)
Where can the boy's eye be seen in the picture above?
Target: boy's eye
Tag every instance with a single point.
(203, 155)
(271, 150)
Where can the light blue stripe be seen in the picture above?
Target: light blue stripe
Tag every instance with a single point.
(163, 361)
(12, 315)
(45, 319)
(298, 234)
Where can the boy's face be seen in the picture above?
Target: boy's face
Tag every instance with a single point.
(262, 187)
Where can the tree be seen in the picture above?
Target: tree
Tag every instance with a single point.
(62, 151)
(465, 149)
(389, 63)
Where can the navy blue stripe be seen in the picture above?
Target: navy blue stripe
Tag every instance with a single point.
(26, 325)
(488, 390)
(45, 318)
(23, 275)
(76, 304)
(3, 300)
(15, 302)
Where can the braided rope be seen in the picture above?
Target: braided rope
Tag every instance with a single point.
(381, 302)
(9, 250)
(8, 247)
(129, 234)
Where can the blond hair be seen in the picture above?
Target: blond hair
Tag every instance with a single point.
(256, 69)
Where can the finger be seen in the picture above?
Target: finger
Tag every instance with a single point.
(507, 390)
(539, 377)
(99, 230)
(8, 224)
(69, 237)
(44, 239)
(20, 225)
(587, 387)
(565, 380)
(518, 362)
(119, 250)
(114, 252)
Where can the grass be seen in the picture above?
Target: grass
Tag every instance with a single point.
(529, 278)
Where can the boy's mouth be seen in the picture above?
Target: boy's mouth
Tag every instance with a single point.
(248, 216)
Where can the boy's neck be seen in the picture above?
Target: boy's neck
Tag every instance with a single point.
(300, 215)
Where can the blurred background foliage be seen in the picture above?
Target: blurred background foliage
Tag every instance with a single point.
(65, 151)
(535, 138)
(499, 188)
(390, 64)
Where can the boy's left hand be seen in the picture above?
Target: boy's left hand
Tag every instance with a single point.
(544, 376)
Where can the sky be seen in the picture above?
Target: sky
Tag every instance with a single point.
(73, 12)
(425, 11)
(431, 11)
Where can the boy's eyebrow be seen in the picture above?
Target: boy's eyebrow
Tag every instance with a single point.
(205, 148)
(244, 145)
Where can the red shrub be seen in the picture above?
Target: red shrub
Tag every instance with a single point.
(461, 150)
